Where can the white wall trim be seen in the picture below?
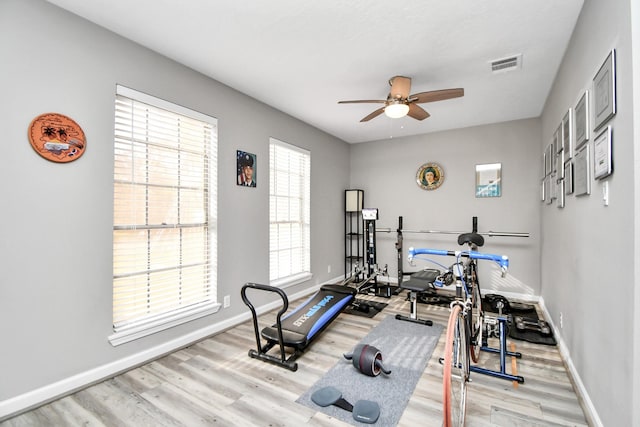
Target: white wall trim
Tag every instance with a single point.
(590, 410)
(32, 399)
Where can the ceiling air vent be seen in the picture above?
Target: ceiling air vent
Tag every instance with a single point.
(506, 64)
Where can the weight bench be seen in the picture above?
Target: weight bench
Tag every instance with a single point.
(420, 282)
(298, 328)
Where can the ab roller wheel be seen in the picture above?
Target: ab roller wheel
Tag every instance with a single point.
(367, 359)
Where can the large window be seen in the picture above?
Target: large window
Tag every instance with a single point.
(289, 216)
(164, 215)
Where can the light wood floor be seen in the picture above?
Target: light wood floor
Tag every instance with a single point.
(214, 382)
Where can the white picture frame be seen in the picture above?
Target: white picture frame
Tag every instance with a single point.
(602, 164)
(581, 174)
(567, 135)
(604, 91)
(581, 120)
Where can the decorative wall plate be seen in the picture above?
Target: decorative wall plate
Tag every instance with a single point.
(430, 176)
(57, 138)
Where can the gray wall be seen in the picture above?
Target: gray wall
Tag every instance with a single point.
(56, 219)
(588, 259)
(386, 171)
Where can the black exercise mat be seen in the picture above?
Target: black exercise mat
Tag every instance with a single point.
(405, 347)
(527, 335)
(513, 309)
(374, 308)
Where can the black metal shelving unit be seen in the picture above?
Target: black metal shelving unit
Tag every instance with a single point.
(354, 250)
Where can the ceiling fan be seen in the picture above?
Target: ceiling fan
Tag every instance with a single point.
(399, 103)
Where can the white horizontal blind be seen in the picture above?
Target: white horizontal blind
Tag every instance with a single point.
(289, 210)
(164, 240)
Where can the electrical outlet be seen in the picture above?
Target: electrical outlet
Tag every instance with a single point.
(560, 320)
(328, 268)
(227, 301)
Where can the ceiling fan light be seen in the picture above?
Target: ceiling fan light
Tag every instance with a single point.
(395, 111)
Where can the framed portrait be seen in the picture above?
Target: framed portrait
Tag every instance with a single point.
(602, 165)
(246, 164)
(557, 139)
(604, 91)
(542, 189)
(489, 180)
(568, 178)
(581, 120)
(567, 135)
(581, 176)
(430, 176)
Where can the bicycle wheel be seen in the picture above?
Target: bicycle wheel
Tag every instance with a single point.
(476, 315)
(456, 369)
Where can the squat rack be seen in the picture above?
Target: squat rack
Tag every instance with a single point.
(400, 236)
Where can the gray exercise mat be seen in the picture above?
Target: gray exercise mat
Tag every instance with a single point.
(406, 348)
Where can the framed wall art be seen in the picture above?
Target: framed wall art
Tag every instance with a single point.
(561, 189)
(57, 138)
(547, 190)
(581, 175)
(549, 156)
(568, 178)
(560, 165)
(567, 135)
(489, 180)
(430, 176)
(246, 168)
(581, 121)
(602, 165)
(604, 91)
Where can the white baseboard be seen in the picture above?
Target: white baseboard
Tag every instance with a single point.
(590, 411)
(32, 399)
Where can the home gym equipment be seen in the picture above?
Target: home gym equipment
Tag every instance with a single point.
(474, 239)
(298, 328)
(370, 216)
(419, 282)
(367, 359)
(528, 324)
(400, 231)
(364, 411)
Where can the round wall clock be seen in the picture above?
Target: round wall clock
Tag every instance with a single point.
(57, 137)
(430, 176)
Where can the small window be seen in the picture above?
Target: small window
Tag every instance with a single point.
(164, 215)
(289, 213)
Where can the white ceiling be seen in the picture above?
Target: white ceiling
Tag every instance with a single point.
(301, 57)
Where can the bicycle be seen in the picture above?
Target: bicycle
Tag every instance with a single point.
(462, 324)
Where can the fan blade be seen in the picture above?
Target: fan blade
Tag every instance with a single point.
(364, 101)
(417, 112)
(373, 115)
(436, 95)
(400, 87)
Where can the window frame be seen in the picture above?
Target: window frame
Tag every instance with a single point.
(304, 213)
(146, 325)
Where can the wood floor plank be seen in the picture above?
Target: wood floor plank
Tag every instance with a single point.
(214, 382)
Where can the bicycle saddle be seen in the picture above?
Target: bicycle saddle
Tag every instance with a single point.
(474, 238)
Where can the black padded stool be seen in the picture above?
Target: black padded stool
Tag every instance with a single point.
(419, 282)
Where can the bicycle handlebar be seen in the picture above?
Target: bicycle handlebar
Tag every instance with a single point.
(503, 260)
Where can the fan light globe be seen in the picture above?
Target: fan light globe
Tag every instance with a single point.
(395, 111)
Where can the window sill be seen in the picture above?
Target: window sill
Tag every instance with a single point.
(291, 280)
(133, 332)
